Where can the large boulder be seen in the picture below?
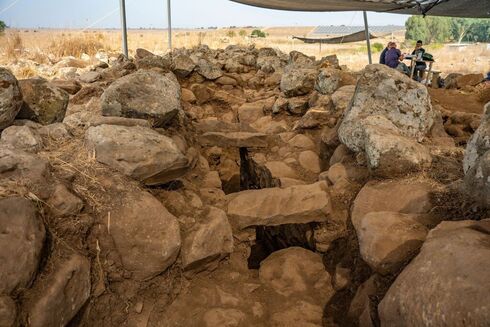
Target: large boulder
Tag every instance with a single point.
(43, 102)
(298, 81)
(389, 153)
(299, 204)
(22, 137)
(10, 98)
(209, 70)
(24, 169)
(403, 196)
(382, 91)
(182, 65)
(447, 284)
(138, 152)
(476, 161)
(145, 234)
(144, 94)
(209, 241)
(388, 239)
(22, 236)
(59, 296)
(328, 80)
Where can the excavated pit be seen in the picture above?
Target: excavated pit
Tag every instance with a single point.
(269, 239)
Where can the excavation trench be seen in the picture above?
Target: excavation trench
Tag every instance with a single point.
(269, 239)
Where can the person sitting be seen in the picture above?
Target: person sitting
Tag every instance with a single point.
(394, 57)
(420, 65)
(383, 54)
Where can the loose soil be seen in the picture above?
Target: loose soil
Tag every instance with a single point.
(456, 100)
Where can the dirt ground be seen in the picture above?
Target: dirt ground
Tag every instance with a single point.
(456, 100)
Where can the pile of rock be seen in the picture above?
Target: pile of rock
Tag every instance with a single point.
(140, 191)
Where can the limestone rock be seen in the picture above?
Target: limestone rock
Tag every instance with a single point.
(250, 112)
(298, 81)
(314, 118)
(62, 294)
(144, 94)
(235, 139)
(90, 77)
(153, 61)
(342, 97)
(388, 239)
(403, 196)
(209, 70)
(382, 91)
(310, 161)
(23, 138)
(210, 241)
(267, 125)
(277, 206)
(301, 141)
(328, 80)
(26, 169)
(10, 98)
(390, 154)
(22, 236)
(138, 152)
(146, 235)
(476, 161)
(69, 86)
(43, 102)
(182, 65)
(56, 131)
(280, 169)
(447, 284)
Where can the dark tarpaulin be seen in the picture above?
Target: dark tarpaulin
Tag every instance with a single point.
(354, 37)
(454, 8)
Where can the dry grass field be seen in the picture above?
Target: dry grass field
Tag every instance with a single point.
(37, 44)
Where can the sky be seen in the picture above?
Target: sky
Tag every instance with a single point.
(185, 14)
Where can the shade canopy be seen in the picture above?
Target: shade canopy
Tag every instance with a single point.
(354, 37)
(454, 8)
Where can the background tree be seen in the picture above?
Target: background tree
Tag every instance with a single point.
(3, 26)
(416, 28)
(460, 27)
(439, 29)
(444, 29)
(258, 33)
(479, 31)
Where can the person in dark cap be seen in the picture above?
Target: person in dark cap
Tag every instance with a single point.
(420, 65)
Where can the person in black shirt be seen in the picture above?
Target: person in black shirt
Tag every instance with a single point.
(420, 65)
(383, 55)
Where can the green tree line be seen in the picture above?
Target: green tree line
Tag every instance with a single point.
(3, 26)
(447, 29)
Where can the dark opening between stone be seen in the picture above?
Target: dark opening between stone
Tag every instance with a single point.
(274, 238)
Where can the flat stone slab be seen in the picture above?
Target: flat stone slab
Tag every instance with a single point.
(235, 139)
(299, 204)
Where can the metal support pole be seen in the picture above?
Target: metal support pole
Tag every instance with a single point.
(366, 29)
(169, 18)
(123, 28)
